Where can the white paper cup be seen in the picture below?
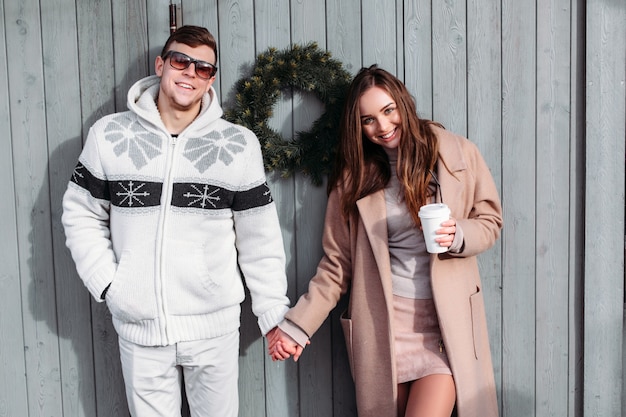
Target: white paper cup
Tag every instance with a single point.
(432, 215)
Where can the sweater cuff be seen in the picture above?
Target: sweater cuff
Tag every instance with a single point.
(271, 318)
(295, 332)
(100, 280)
(458, 242)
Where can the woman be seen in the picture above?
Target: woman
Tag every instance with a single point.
(415, 328)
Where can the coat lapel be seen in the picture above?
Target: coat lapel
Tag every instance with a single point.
(451, 171)
(373, 211)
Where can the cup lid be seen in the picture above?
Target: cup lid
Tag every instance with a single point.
(434, 210)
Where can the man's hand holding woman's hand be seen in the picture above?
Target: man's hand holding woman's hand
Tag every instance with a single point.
(281, 346)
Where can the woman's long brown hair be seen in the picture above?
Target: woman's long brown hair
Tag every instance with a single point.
(362, 167)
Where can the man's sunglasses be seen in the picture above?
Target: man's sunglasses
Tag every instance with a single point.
(180, 61)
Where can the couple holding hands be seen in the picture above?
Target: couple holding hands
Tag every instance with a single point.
(168, 209)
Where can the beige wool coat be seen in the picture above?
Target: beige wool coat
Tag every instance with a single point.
(356, 259)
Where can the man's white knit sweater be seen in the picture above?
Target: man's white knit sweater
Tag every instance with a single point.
(171, 223)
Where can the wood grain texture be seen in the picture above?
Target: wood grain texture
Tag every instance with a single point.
(378, 34)
(604, 208)
(576, 198)
(418, 55)
(538, 87)
(34, 241)
(315, 368)
(158, 17)
(272, 28)
(64, 129)
(13, 386)
(130, 40)
(449, 46)
(519, 203)
(484, 128)
(553, 184)
(343, 33)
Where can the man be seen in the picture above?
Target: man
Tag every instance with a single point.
(167, 207)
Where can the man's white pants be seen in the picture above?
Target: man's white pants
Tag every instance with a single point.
(209, 368)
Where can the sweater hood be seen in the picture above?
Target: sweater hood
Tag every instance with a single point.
(142, 97)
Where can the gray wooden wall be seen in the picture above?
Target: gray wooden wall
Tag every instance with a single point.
(538, 85)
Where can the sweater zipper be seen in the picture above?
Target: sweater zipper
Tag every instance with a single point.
(167, 186)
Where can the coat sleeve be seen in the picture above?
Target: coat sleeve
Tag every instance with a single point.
(333, 275)
(481, 228)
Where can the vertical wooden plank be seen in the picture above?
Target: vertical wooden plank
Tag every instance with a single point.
(13, 387)
(308, 24)
(130, 39)
(96, 60)
(158, 28)
(272, 29)
(399, 49)
(378, 34)
(343, 25)
(604, 207)
(484, 119)
(418, 66)
(236, 53)
(577, 207)
(236, 46)
(552, 205)
(202, 13)
(64, 142)
(344, 42)
(26, 98)
(518, 197)
(97, 89)
(449, 65)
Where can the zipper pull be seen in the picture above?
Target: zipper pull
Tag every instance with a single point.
(440, 345)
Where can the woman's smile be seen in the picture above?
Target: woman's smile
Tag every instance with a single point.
(380, 119)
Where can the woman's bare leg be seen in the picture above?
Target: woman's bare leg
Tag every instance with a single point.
(431, 396)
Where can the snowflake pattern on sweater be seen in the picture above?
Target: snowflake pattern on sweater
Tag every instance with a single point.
(215, 146)
(172, 224)
(129, 137)
(136, 193)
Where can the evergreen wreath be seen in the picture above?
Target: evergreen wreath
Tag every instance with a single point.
(304, 68)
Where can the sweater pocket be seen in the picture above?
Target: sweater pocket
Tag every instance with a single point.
(130, 297)
(196, 282)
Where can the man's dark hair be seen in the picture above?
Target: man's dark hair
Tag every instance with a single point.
(192, 36)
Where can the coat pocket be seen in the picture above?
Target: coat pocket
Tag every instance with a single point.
(346, 325)
(479, 331)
